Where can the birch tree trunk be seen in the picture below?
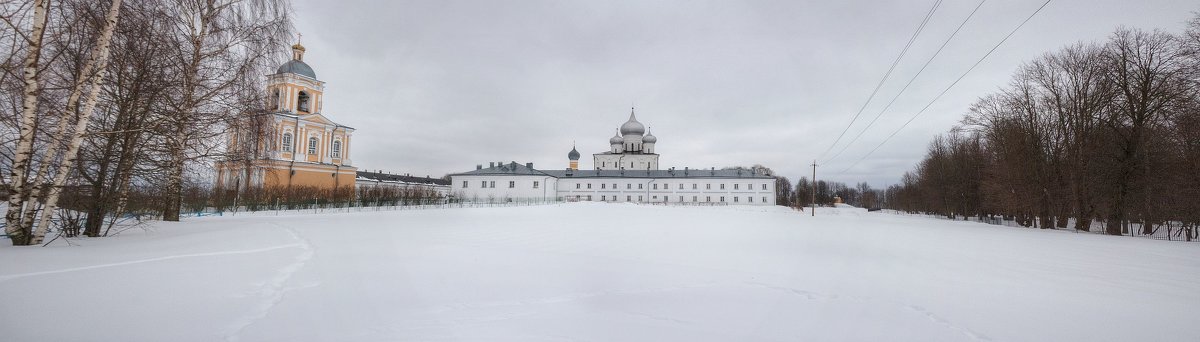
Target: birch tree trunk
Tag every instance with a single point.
(100, 59)
(18, 233)
(37, 184)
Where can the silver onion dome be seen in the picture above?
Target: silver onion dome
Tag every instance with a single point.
(632, 126)
(649, 138)
(616, 140)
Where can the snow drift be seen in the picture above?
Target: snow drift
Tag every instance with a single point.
(600, 272)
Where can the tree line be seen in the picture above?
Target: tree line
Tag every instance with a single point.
(123, 106)
(1103, 134)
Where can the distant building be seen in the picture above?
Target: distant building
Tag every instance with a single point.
(368, 179)
(631, 149)
(294, 143)
(627, 172)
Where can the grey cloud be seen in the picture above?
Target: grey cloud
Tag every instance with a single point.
(436, 87)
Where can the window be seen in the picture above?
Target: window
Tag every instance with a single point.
(602, 198)
(312, 145)
(707, 186)
(287, 142)
(693, 186)
(639, 186)
(694, 199)
(535, 184)
(639, 198)
(492, 184)
(631, 165)
(512, 184)
(722, 186)
(735, 199)
(275, 97)
(629, 186)
(656, 186)
(654, 197)
(708, 198)
(577, 185)
(614, 185)
(749, 199)
(749, 186)
(337, 149)
(483, 184)
(589, 198)
(680, 187)
(302, 102)
(602, 185)
(629, 198)
(589, 185)
(735, 186)
(764, 186)
(722, 198)
(764, 199)
(464, 184)
(681, 198)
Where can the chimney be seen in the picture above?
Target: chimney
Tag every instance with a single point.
(479, 166)
(491, 164)
(529, 165)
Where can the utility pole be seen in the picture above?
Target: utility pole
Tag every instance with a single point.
(813, 189)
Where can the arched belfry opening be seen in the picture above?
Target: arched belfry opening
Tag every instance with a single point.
(302, 102)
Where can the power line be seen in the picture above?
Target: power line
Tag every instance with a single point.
(895, 62)
(910, 82)
(939, 96)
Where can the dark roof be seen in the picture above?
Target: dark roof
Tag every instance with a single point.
(512, 168)
(387, 177)
(297, 67)
(676, 173)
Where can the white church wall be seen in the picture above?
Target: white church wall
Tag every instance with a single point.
(629, 161)
(742, 191)
(503, 188)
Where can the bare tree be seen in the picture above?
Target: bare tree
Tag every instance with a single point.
(217, 44)
(1147, 75)
(18, 185)
(98, 62)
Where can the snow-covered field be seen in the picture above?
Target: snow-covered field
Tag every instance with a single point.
(600, 272)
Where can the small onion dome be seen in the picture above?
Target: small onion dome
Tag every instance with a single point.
(616, 140)
(573, 155)
(649, 138)
(632, 126)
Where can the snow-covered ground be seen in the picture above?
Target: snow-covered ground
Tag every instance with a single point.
(600, 272)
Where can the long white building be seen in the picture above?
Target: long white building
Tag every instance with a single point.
(627, 172)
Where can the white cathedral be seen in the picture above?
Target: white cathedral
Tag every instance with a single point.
(627, 172)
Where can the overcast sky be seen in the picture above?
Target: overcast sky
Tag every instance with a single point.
(435, 87)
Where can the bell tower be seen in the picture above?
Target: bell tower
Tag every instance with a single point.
(294, 88)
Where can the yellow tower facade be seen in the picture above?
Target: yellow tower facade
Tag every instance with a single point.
(293, 144)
